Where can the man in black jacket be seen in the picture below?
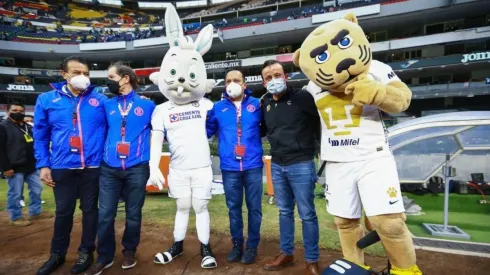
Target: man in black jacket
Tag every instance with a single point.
(292, 125)
(19, 166)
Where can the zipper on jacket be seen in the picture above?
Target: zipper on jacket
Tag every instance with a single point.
(79, 122)
(123, 137)
(239, 113)
(239, 131)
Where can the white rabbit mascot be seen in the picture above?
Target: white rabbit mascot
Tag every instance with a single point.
(182, 122)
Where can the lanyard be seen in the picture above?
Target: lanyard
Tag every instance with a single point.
(74, 106)
(124, 113)
(74, 115)
(239, 122)
(26, 131)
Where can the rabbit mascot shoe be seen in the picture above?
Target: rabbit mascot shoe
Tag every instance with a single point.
(350, 90)
(182, 122)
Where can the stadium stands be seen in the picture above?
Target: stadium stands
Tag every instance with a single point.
(249, 5)
(15, 14)
(212, 10)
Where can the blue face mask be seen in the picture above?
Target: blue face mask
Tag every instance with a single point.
(276, 86)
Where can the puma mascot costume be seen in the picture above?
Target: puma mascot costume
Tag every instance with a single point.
(350, 90)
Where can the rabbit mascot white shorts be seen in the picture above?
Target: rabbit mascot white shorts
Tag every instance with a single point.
(182, 122)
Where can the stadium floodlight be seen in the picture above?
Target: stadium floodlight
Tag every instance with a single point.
(190, 4)
(220, 1)
(152, 5)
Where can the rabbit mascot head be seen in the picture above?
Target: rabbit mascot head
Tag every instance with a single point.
(182, 77)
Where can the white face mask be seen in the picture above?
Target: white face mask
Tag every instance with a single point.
(234, 90)
(30, 123)
(80, 82)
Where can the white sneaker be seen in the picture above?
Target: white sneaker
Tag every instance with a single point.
(22, 203)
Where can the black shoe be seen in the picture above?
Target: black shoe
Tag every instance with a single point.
(166, 257)
(249, 256)
(83, 262)
(208, 259)
(54, 261)
(236, 252)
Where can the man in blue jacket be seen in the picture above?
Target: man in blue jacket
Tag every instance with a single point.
(125, 169)
(237, 119)
(69, 133)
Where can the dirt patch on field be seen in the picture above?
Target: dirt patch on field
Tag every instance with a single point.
(23, 250)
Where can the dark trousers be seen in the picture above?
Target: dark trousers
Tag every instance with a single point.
(69, 185)
(234, 183)
(131, 183)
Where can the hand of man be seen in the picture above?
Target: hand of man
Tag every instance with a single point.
(46, 177)
(9, 173)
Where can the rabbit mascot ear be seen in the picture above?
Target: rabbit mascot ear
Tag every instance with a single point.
(204, 40)
(182, 77)
(173, 26)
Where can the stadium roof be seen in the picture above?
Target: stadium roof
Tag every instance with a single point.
(161, 4)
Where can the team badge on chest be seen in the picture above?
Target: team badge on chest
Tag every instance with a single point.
(94, 102)
(138, 111)
(250, 108)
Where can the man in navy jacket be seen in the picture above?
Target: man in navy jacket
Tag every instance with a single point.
(236, 119)
(69, 133)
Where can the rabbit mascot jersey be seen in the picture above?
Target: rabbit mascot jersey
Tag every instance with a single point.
(182, 122)
(350, 90)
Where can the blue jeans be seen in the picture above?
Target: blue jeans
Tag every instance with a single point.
(71, 184)
(296, 183)
(14, 195)
(234, 182)
(131, 183)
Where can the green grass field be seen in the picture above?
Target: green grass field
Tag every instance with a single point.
(159, 209)
(464, 212)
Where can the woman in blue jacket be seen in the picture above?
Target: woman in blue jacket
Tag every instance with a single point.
(237, 119)
(125, 168)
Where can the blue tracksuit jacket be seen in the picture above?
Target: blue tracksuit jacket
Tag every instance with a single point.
(222, 119)
(54, 125)
(137, 134)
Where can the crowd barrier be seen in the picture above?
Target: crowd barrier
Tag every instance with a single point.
(165, 164)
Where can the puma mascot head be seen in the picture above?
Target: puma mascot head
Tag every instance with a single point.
(334, 54)
(337, 57)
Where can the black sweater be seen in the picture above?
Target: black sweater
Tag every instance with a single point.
(292, 125)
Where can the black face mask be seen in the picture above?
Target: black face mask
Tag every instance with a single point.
(113, 86)
(19, 117)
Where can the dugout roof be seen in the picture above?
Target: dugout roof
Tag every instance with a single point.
(420, 145)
